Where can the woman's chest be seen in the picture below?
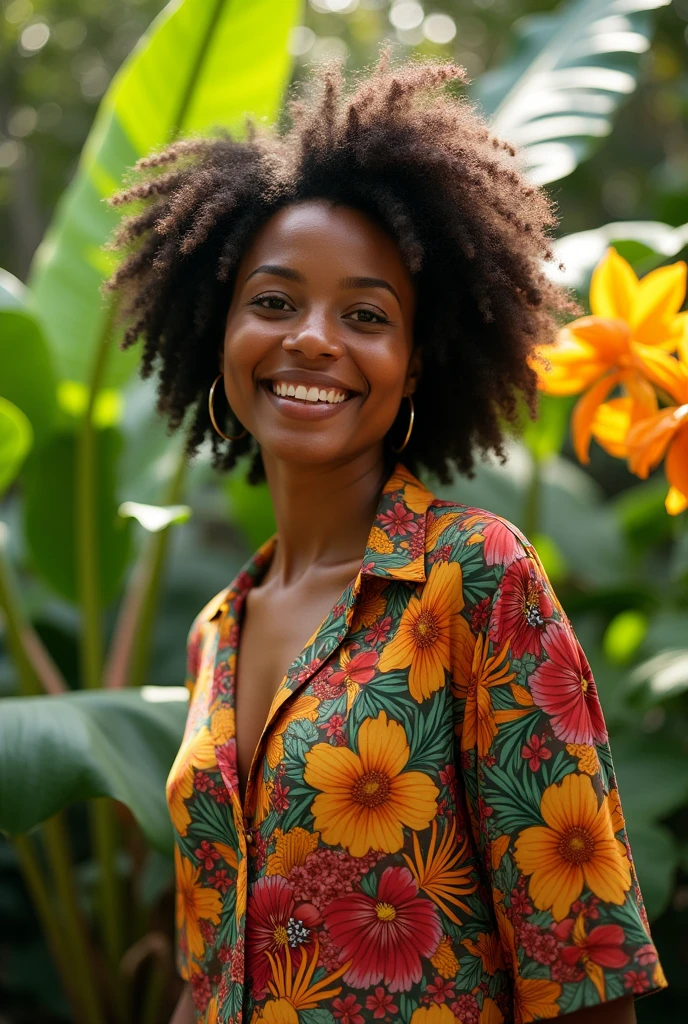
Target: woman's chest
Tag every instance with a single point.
(273, 630)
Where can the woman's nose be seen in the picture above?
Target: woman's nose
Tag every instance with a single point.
(314, 338)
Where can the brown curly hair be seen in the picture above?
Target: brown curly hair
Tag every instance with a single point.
(418, 159)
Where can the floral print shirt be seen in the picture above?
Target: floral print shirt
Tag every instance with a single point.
(432, 829)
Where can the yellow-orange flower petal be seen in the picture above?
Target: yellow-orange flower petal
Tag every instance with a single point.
(489, 949)
(649, 439)
(676, 468)
(659, 297)
(193, 903)
(576, 848)
(441, 874)
(197, 752)
(613, 287)
(365, 799)
(291, 850)
(584, 413)
(422, 642)
(490, 1013)
(433, 1015)
(535, 999)
(444, 959)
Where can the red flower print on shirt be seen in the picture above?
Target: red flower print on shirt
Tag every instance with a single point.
(399, 520)
(358, 671)
(521, 610)
(274, 920)
(379, 631)
(385, 936)
(564, 687)
(535, 752)
(500, 545)
(381, 1003)
(207, 855)
(346, 1010)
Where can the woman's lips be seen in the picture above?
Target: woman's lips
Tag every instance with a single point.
(300, 409)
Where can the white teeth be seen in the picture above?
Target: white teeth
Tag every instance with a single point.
(308, 394)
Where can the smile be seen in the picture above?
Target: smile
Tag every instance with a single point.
(304, 408)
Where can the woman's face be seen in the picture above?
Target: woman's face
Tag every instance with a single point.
(322, 300)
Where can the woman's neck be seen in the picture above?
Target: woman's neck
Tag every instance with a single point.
(323, 515)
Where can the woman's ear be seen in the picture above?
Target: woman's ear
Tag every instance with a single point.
(415, 369)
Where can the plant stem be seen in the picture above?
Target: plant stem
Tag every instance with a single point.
(74, 932)
(86, 527)
(531, 511)
(103, 831)
(155, 555)
(34, 876)
(9, 603)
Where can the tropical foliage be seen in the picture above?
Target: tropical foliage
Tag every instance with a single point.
(98, 585)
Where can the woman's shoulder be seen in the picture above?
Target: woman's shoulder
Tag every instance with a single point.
(450, 521)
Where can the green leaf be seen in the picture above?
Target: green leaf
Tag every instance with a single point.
(545, 436)
(644, 243)
(57, 750)
(624, 635)
(200, 65)
(651, 774)
(154, 517)
(664, 676)
(250, 507)
(49, 514)
(569, 71)
(16, 438)
(656, 856)
(13, 294)
(28, 376)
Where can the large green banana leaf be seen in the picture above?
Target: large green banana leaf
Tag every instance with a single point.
(49, 521)
(645, 244)
(568, 73)
(203, 63)
(57, 750)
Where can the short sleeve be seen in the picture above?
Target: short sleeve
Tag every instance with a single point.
(544, 803)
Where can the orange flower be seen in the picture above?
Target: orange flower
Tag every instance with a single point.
(535, 999)
(575, 848)
(304, 707)
(197, 752)
(439, 875)
(365, 799)
(489, 949)
(427, 626)
(665, 432)
(630, 320)
(194, 903)
(480, 721)
(291, 850)
(433, 1015)
(299, 990)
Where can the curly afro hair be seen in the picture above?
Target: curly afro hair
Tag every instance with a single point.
(422, 162)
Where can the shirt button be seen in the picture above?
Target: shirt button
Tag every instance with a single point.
(249, 836)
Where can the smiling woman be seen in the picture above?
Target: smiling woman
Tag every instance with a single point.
(395, 798)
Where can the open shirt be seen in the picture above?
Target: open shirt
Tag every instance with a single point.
(432, 829)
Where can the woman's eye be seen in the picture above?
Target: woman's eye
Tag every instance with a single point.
(367, 316)
(270, 302)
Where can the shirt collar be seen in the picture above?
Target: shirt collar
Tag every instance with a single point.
(395, 547)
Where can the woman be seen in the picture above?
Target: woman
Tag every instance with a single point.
(394, 799)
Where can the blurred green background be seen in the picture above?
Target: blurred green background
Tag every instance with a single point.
(97, 596)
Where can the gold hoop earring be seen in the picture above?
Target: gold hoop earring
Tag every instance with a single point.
(211, 396)
(410, 426)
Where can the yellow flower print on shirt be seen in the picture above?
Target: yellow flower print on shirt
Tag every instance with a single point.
(577, 847)
(426, 631)
(194, 903)
(365, 799)
(197, 752)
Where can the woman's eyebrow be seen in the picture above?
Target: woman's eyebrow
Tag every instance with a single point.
(368, 282)
(277, 271)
